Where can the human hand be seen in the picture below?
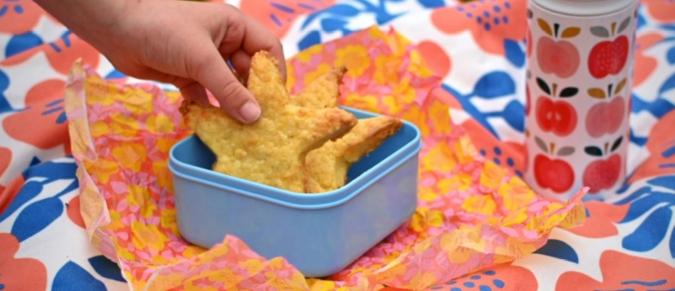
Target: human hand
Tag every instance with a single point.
(179, 42)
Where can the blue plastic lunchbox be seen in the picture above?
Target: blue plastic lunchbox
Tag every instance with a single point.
(320, 234)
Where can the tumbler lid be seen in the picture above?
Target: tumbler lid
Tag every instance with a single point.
(584, 7)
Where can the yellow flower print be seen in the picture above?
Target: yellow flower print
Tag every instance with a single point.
(417, 65)
(98, 93)
(161, 171)
(492, 176)
(159, 123)
(147, 237)
(319, 71)
(405, 94)
(99, 128)
(515, 194)
(129, 155)
(460, 182)
(482, 204)
(123, 125)
(439, 115)
(164, 144)
(355, 58)
(423, 219)
(365, 102)
(307, 54)
(137, 101)
(102, 169)
(387, 69)
(439, 158)
(140, 196)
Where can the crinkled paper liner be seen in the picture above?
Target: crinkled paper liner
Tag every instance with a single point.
(472, 213)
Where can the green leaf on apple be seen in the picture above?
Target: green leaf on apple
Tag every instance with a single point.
(545, 26)
(543, 86)
(597, 93)
(565, 151)
(617, 143)
(569, 92)
(624, 24)
(620, 86)
(570, 32)
(593, 151)
(541, 144)
(599, 31)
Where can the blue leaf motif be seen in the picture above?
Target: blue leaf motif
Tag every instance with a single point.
(432, 3)
(4, 83)
(643, 205)
(106, 268)
(559, 249)
(650, 233)
(668, 84)
(642, 191)
(513, 114)
(36, 217)
(514, 53)
(22, 42)
(332, 24)
(664, 181)
(52, 171)
(494, 84)
(72, 277)
(312, 38)
(27, 192)
(342, 10)
(658, 107)
(671, 55)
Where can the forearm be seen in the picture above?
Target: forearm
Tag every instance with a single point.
(92, 20)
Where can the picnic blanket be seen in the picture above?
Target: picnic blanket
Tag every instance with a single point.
(623, 244)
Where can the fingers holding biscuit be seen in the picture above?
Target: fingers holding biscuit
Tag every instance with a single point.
(266, 83)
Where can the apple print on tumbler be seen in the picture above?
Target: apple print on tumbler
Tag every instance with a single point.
(578, 95)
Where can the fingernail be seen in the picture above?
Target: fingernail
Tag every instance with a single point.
(250, 111)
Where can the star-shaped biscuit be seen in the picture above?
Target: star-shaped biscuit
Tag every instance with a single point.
(326, 167)
(272, 150)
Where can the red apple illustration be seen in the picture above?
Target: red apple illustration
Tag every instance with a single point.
(558, 117)
(552, 173)
(608, 57)
(557, 175)
(603, 173)
(555, 55)
(606, 117)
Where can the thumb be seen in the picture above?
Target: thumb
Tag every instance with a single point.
(210, 70)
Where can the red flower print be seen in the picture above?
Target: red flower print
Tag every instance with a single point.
(43, 122)
(61, 53)
(74, 211)
(7, 193)
(437, 60)
(644, 64)
(18, 16)
(661, 146)
(5, 158)
(601, 220)
(660, 10)
(278, 15)
(622, 272)
(501, 18)
(505, 277)
(19, 274)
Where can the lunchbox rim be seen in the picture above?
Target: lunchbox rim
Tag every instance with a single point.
(295, 199)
